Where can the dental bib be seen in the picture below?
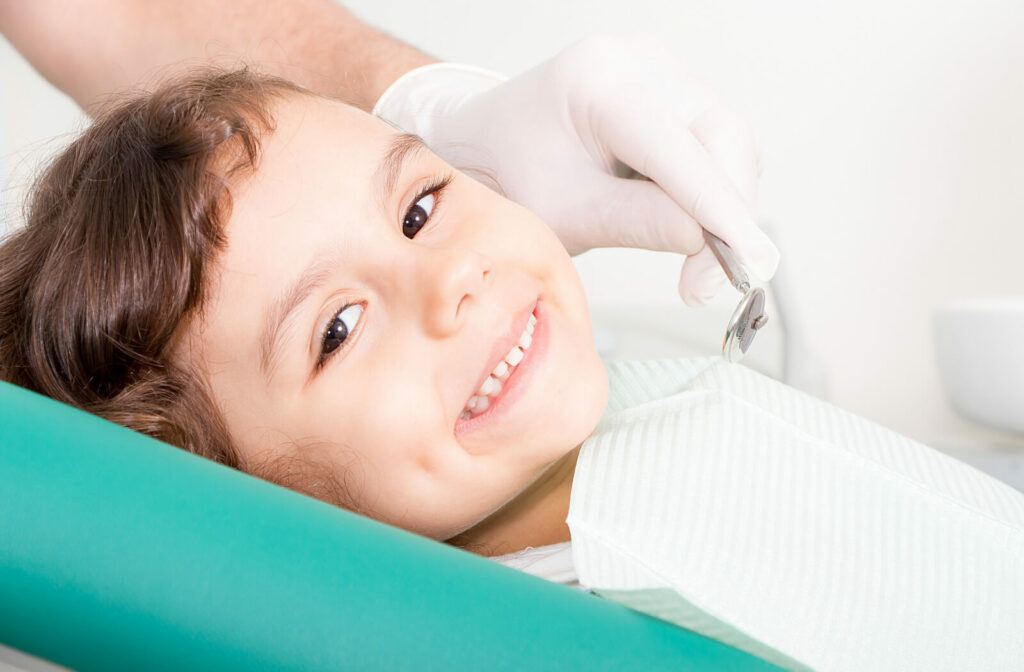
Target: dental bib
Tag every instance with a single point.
(721, 500)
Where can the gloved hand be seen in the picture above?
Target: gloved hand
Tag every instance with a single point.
(564, 138)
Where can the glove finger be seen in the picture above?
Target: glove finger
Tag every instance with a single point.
(644, 135)
(701, 279)
(731, 142)
(638, 213)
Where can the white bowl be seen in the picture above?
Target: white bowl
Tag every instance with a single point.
(980, 349)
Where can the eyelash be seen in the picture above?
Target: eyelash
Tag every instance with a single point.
(437, 187)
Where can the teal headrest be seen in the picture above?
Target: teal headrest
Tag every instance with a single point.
(118, 552)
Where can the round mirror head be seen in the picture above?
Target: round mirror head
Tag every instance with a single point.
(748, 317)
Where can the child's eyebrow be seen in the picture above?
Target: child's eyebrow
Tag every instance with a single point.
(277, 313)
(390, 167)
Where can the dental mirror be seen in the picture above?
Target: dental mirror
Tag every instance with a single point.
(749, 315)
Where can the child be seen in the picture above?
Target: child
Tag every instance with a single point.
(284, 284)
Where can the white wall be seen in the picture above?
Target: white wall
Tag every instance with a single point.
(36, 121)
(892, 139)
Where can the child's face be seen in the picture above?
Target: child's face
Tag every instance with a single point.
(439, 312)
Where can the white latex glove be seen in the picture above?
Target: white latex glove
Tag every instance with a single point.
(564, 138)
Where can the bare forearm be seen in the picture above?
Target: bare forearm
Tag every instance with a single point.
(91, 49)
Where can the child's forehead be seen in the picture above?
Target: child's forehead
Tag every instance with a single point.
(327, 123)
(328, 173)
(317, 149)
(326, 143)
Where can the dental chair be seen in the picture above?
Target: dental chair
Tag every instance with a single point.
(119, 552)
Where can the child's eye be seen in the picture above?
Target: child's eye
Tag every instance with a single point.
(341, 325)
(418, 215)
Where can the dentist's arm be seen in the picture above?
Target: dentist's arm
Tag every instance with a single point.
(92, 49)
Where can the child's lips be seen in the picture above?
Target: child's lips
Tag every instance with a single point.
(503, 346)
(513, 387)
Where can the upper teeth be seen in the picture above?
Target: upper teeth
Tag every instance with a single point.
(491, 386)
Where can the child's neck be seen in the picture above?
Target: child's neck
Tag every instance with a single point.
(536, 517)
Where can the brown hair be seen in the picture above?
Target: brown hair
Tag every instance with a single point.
(121, 230)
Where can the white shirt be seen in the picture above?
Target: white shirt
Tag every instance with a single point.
(553, 562)
(732, 505)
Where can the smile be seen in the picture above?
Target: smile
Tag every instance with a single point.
(492, 385)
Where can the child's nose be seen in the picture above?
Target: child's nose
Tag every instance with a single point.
(452, 279)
